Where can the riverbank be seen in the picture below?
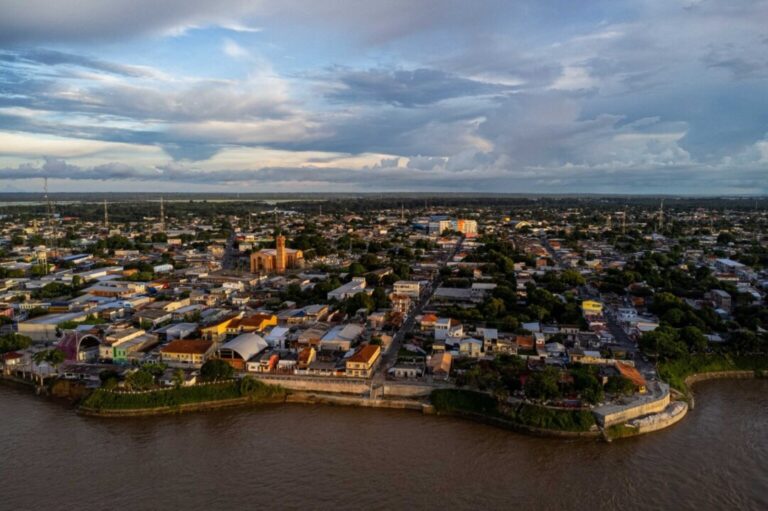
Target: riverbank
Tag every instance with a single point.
(522, 417)
(205, 396)
(678, 372)
(691, 380)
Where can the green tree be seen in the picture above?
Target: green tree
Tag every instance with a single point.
(13, 342)
(543, 385)
(216, 369)
(140, 380)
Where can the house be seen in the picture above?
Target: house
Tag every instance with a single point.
(186, 353)
(427, 322)
(632, 374)
(447, 327)
(470, 347)
(591, 308)
(440, 365)
(363, 363)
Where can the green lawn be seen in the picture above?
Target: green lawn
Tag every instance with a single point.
(102, 399)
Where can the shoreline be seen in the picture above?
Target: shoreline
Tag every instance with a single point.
(422, 405)
(695, 378)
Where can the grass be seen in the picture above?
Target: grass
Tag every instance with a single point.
(102, 399)
(528, 415)
(676, 371)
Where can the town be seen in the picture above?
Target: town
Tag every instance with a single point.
(594, 310)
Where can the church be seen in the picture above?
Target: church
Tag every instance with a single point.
(278, 259)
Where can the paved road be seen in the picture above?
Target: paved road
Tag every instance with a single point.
(389, 358)
(229, 259)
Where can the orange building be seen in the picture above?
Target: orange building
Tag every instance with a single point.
(276, 259)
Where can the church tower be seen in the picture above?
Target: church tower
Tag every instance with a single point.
(280, 258)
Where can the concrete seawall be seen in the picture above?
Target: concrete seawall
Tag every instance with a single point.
(170, 410)
(715, 375)
(335, 399)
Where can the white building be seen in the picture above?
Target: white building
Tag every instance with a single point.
(348, 290)
(410, 288)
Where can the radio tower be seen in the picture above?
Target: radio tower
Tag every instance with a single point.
(106, 215)
(661, 216)
(49, 212)
(162, 215)
(402, 213)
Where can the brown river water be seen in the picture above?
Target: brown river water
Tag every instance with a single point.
(321, 457)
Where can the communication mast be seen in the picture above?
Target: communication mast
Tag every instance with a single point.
(162, 215)
(49, 214)
(661, 216)
(106, 215)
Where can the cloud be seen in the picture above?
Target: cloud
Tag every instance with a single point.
(234, 50)
(408, 88)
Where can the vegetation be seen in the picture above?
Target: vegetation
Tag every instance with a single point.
(523, 414)
(676, 371)
(255, 390)
(216, 369)
(13, 342)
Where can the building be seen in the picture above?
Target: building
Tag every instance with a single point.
(363, 363)
(591, 308)
(400, 303)
(186, 353)
(241, 349)
(348, 290)
(341, 337)
(254, 323)
(410, 288)
(447, 327)
(278, 259)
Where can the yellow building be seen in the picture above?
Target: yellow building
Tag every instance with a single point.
(186, 353)
(362, 363)
(254, 323)
(276, 260)
(217, 331)
(591, 307)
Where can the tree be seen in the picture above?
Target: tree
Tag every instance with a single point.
(13, 342)
(53, 357)
(178, 378)
(543, 385)
(216, 369)
(140, 380)
(619, 385)
(360, 301)
(694, 339)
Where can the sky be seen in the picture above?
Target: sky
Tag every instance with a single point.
(539, 96)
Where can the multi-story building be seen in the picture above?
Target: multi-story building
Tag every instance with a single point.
(362, 363)
(410, 288)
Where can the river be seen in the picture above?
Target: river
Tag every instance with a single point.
(320, 457)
